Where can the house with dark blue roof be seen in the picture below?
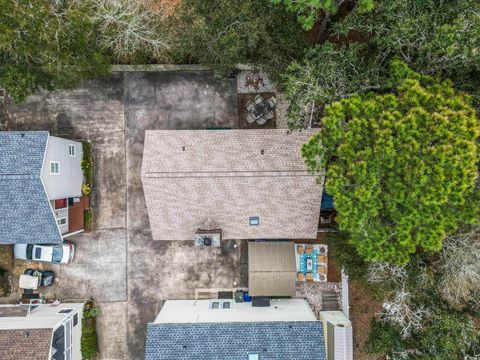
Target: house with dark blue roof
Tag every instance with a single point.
(218, 329)
(40, 187)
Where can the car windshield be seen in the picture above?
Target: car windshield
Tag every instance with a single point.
(57, 254)
(29, 252)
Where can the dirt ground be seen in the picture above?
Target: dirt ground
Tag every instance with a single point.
(362, 309)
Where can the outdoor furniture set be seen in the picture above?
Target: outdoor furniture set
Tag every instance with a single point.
(312, 262)
(260, 110)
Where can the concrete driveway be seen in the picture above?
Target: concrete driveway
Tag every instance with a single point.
(119, 264)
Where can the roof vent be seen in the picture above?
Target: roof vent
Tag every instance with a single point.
(252, 356)
(262, 151)
(183, 148)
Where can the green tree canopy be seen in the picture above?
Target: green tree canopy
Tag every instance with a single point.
(309, 10)
(440, 37)
(46, 44)
(401, 166)
(432, 37)
(446, 336)
(327, 73)
(224, 33)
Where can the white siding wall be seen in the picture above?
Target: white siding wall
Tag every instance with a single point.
(69, 182)
(343, 343)
(188, 311)
(61, 214)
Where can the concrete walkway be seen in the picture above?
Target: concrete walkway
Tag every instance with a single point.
(119, 264)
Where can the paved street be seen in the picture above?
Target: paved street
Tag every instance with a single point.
(119, 264)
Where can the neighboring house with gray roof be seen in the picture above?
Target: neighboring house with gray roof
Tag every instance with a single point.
(40, 184)
(198, 329)
(245, 184)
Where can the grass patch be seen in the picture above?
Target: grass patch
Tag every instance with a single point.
(88, 220)
(89, 343)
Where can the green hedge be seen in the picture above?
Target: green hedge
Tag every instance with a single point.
(89, 342)
(88, 220)
(87, 163)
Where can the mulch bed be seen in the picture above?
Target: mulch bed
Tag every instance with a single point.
(243, 112)
(362, 309)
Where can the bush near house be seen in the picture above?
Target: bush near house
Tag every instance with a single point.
(88, 219)
(89, 342)
(87, 186)
(87, 164)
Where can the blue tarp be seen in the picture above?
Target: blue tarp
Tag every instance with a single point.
(327, 202)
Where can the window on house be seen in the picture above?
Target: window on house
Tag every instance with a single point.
(254, 220)
(75, 319)
(54, 168)
(215, 305)
(71, 150)
(62, 221)
(226, 305)
(221, 304)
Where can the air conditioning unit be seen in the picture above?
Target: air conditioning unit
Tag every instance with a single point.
(208, 238)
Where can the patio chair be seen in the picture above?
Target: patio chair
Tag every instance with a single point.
(300, 250)
(322, 269)
(258, 99)
(300, 276)
(269, 115)
(309, 277)
(251, 119)
(309, 250)
(262, 121)
(322, 259)
(250, 105)
(272, 102)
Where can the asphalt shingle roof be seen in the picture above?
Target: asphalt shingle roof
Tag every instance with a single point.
(27, 217)
(22, 152)
(227, 176)
(302, 340)
(31, 344)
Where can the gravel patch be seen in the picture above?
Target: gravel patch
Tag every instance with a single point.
(249, 82)
(312, 293)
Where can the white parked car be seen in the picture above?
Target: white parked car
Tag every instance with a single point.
(57, 254)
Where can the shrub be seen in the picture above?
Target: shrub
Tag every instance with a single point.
(86, 189)
(88, 219)
(383, 338)
(87, 162)
(89, 342)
